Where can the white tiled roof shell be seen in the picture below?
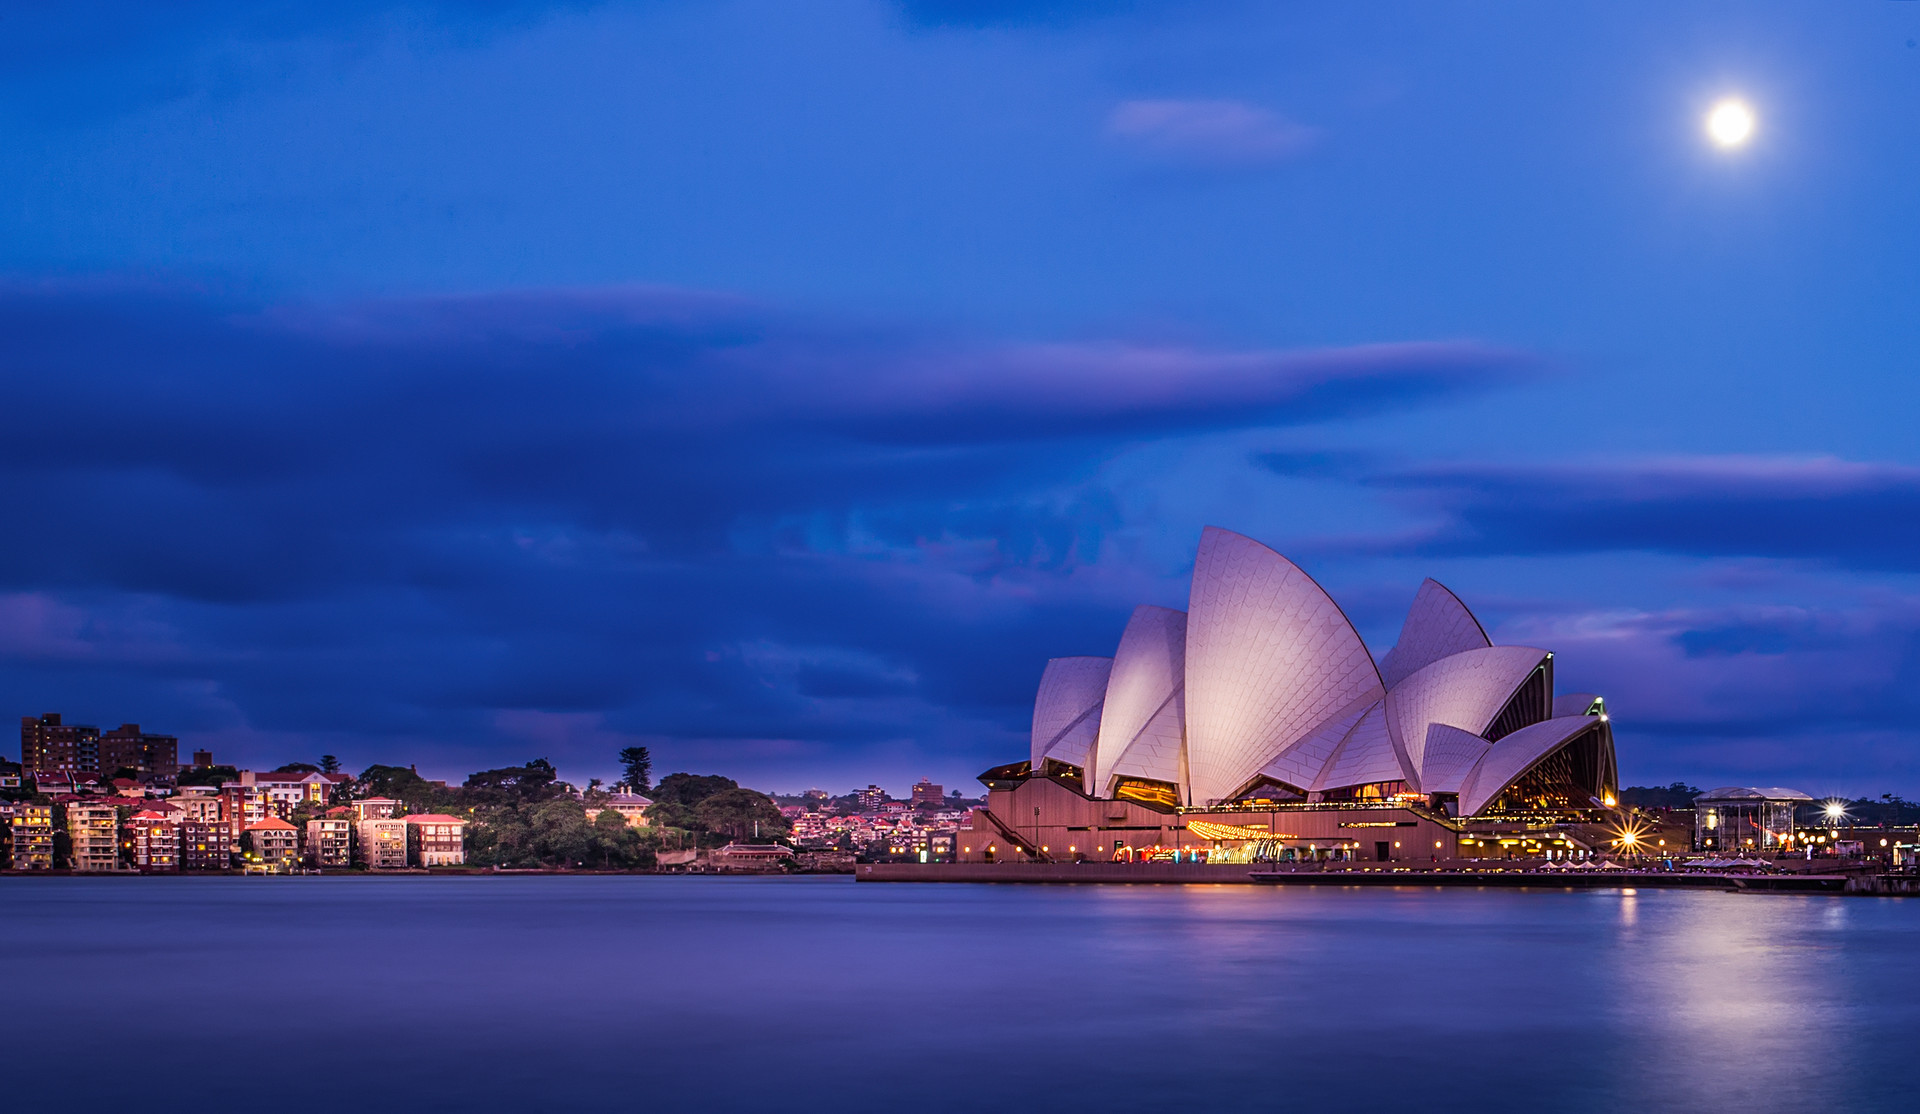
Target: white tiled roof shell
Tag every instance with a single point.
(1366, 757)
(1066, 711)
(1466, 691)
(1438, 626)
(1573, 703)
(1270, 656)
(1514, 755)
(1449, 756)
(1149, 670)
(1300, 765)
(1156, 751)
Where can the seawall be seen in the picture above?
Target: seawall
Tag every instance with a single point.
(1216, 873)
(1449, 875)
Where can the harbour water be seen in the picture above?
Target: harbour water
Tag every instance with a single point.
(714, 994)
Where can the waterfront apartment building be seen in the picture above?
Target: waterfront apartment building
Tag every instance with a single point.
(206, 845)
(381, 843)
(31, 837)
(242, 806)
(127, 747)
(435, 839)
(155, 835)
(375, 808)
(275, 846)
(286, 790)
(330, 843)
(199, 804)
(93, 833)
(50, 746)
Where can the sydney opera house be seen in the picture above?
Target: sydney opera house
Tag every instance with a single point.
(1257, 723)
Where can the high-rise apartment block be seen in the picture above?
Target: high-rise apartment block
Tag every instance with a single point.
(49, 746)
(381, 843)
(155, 834)
(206, 845)
(93, 832)
(872, 797)
(330, 843)
(31, 836)
(926, 792)
(242, 806)
(128, 748)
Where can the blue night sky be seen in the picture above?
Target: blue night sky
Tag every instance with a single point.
(780, 384)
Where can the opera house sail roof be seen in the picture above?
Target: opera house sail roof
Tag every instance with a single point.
(1263, 690)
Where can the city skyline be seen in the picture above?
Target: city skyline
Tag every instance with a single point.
(780, 387)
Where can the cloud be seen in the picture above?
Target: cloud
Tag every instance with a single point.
(1825, 697)
(1218, 133)
(473, 525)
(1844, 513)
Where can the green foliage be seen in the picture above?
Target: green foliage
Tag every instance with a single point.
(715, 809)
(556, 832)
(561, 833)
(62, 842)
(512, 786)
(329, 764)
(677, 794)
(743, 816)
(207, 775)
(415, 793)
(1889, 809)
(127, 772)
(638, 763)
(302, 767)
(1677, 795)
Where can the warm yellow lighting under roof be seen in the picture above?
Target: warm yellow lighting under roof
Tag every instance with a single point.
(1207, 829)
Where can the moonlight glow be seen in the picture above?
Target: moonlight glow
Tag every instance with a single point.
(1730, 124)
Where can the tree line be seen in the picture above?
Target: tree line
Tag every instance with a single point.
(524, 816)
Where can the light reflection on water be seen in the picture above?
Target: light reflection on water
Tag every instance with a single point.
(751, 994)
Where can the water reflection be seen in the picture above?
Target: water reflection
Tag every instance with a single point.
(714, 994)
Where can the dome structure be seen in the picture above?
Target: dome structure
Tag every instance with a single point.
(1262, 690)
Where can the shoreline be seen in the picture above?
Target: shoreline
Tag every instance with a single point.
(1854, 883)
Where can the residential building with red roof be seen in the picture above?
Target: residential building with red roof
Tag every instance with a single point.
(243, 806)
(275, 847)
(206, 836)
(154, 832)
(436, 839)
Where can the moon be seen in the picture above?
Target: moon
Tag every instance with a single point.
(1730, 124)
